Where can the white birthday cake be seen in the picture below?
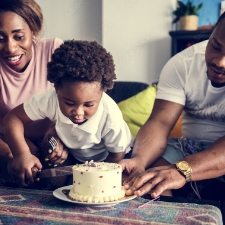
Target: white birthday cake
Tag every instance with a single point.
(97, 182)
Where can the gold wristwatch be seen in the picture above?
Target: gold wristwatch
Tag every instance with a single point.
(185, 169)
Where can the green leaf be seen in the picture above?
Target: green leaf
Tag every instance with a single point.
(185, 9)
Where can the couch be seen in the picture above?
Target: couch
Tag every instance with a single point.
(125, 89)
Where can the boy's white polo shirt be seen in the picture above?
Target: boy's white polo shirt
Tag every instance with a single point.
(104, 132)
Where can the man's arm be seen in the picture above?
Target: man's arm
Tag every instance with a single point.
(205, 165)
(152, 138)
(209, 163)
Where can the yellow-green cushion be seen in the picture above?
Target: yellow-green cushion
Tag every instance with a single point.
(138, 108)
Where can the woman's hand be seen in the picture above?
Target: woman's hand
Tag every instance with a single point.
(21, 168)
(155, 180)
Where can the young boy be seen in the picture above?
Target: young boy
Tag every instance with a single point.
(87, 121)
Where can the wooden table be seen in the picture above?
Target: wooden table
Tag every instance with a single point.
(27, 206)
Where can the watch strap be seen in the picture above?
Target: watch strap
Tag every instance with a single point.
(186, 173)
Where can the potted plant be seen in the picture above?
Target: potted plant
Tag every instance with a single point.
(187, 15)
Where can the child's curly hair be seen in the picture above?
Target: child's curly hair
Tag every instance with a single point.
(81, 61)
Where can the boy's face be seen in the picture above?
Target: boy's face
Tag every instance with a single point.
(79, 101)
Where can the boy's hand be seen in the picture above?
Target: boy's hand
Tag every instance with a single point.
(54, 155)
(58, 155)
(21, 168)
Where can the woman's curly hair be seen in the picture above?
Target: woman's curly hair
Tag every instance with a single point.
(81, 61)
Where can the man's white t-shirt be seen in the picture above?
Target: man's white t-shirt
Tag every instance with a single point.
(104, 132)
(184, 80)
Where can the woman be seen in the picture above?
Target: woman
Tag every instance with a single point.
(23, 65)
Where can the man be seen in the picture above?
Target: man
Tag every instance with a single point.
(192, 83)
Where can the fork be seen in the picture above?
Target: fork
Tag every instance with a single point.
(53, 143)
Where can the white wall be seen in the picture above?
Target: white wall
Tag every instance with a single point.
(72, 19)
(134, 31)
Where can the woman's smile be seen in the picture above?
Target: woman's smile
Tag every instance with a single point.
(13, 60)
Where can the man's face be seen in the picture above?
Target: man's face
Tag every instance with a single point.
(79, 101)
(215, 55)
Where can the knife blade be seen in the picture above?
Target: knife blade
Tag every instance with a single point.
(55, 172)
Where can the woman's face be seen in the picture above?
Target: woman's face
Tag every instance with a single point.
(15, 41)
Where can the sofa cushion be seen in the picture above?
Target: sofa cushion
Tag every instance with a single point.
(177, 129)
(123, 90)
(138, 108)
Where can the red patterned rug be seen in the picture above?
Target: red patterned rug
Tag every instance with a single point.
(26, 206)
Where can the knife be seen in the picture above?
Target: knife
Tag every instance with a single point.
(55, 172)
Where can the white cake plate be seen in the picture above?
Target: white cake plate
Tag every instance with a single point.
(62, 194)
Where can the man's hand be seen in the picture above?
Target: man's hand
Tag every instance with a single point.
(155, 180)
(20, 168)
(131, 168)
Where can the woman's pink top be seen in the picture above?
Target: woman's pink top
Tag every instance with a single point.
(15, 87)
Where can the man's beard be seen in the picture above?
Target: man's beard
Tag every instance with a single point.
(216, 85)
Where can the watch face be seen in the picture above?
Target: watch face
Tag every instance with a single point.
(183, 165)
